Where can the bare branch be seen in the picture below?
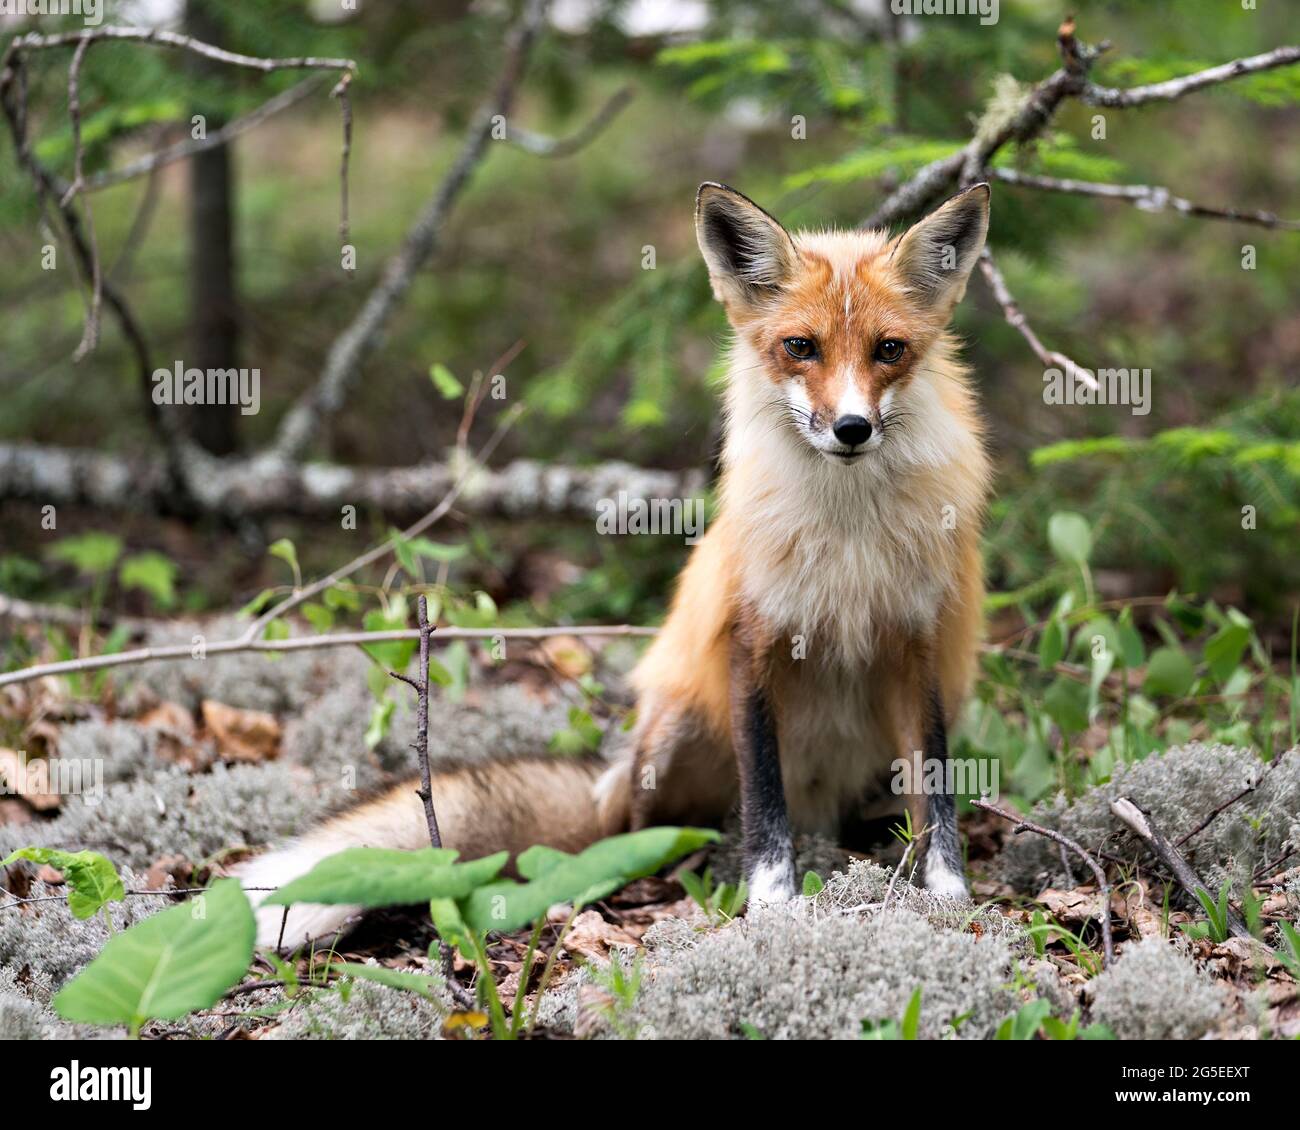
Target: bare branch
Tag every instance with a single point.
(1149, 198)
(1016, 319)
(1023, 825)
(1142, 826)
(539, 145)
(90, 332)
(259, 486)
(361, 336)
(162, 38)
(188, 148)
(1176, 88)
(137, 656)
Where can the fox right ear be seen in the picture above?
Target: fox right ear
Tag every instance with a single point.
(749, 254)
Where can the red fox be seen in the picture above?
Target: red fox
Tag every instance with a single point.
(828, 622)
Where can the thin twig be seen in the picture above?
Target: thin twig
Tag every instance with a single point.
(1175, 88)
(1016, 319)
(540, 145)
(1142, 826)
(310, 643)
(1023, 825)
(340, 92)
(191, 146)
(161, 38)
(1147, 197)
(361, 336)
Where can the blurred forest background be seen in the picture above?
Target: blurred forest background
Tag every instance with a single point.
(1106, 524)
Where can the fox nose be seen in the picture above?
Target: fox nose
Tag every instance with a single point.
(852, 430)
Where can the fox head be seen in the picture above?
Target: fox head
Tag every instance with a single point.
(840, 332)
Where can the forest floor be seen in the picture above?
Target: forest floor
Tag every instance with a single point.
(204, 763)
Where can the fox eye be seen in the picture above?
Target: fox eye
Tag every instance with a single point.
(889, 350)
(800, 348)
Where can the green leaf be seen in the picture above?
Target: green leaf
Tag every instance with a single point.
(1051, 648)
(1224, 649)
(152, 573)
(1169, 672)
(393, 655)
(912, 1016)
(93, 553)
(341, 600)
(1070, 537)
(812, 884)
(387, 877)
(423, 984)
(167, 966)
(91, 879)
(285, 551)
(254, 606)
(449, 388)
(381, 717)
(592, 874)
(435, 551)
(318, 616)
(1066, 703)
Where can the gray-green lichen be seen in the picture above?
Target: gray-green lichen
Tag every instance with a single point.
(1154, 991)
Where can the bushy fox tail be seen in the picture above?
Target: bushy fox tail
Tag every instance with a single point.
(481, 809)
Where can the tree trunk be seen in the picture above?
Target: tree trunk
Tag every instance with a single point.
(214, 305)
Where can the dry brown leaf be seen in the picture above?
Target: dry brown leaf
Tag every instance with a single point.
(170, 870)
(567, 655)
(241, 735)
(176, 736)
(593, 937)
(1072, 907)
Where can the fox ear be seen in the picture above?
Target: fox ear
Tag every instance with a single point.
(749, 254)
(935, 256)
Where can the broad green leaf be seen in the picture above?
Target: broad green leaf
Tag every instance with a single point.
(1070, 537)
(341, 600)
(152, 573)
(444, 380)
(582, 878)
(393, 655)
(318, 616)
(91, 879)
(93, 553)
(1224, 649)
(167, 966)
(387, 877)
(812, 884)
(1066, 703)
(381, 717)
(1169, 672)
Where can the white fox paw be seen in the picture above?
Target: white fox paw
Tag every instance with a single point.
(772, 882)
(942, 880)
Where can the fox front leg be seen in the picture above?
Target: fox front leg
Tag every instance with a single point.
(944, 869)
(765, 821)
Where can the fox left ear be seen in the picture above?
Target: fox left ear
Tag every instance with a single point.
(936, 255)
